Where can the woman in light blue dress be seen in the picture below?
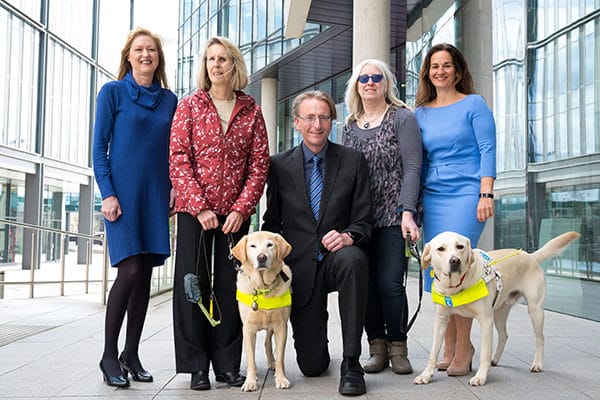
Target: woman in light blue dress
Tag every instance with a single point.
(459, 168)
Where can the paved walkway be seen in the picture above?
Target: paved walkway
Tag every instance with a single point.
(50, 348)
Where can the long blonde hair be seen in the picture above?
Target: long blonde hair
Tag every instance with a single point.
(125, 65)
(352, 98)
(239, 77)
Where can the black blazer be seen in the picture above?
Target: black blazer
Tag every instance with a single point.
(345, 206)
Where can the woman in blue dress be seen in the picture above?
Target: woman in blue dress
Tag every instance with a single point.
(459, 168)
(131, 166)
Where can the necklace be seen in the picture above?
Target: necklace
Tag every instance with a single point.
(366, 124)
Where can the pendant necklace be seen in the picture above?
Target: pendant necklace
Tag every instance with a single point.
(368, 123)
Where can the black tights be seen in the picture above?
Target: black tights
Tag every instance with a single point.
(130, 293)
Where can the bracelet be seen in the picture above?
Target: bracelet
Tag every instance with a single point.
(486, 195)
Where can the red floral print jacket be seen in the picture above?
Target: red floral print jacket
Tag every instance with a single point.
(216, 170)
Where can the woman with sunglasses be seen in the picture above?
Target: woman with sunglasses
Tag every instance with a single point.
(386, 131)
(459, 168)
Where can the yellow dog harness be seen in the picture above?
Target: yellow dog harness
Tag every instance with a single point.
(479, 290)
(258, 300)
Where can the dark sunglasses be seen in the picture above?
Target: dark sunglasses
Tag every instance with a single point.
(376, 78)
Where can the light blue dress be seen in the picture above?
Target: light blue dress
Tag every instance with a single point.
(459, 144)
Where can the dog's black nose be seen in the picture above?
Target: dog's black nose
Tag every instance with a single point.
(261, 258)
(454, 264)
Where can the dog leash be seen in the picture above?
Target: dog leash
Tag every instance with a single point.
(213, 302)
(414, 251)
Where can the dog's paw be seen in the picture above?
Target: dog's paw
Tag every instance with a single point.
(250, 385)
(282, 383)
(536, 368)
(422, 379)
(477, 380)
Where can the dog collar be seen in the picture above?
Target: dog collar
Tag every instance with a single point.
(259, 300)
(478, 291)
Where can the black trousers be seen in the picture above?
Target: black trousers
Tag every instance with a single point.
(197, 343)
(345, 271)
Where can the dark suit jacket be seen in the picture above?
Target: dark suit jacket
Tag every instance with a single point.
(345, 206)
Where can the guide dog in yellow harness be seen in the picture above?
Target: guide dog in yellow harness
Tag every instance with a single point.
(264, 300)
(485, 286)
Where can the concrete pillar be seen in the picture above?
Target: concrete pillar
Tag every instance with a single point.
(476, 35)
(86, 212)
(371, 30)
(32, 214)
(268, 98)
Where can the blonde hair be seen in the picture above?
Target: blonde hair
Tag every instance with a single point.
(239, 77)
(352, 98)
(125, 65)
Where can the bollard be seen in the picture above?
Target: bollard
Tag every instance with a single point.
(1, 285)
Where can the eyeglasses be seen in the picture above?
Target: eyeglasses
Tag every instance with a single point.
(311, 119)
(376, 78)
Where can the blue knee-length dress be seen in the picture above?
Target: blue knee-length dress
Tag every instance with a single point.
(459, 144)
(131, 161)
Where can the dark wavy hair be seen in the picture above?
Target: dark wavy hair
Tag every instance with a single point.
(426, 92)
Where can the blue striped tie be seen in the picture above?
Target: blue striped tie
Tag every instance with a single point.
(315, 187)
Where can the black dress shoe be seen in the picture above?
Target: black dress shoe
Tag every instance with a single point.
(231, 378)
(140, 375)
(117, 381)
(200, 381)
(352, 382)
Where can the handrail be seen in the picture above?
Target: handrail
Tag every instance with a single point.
(88, 239)
(52, 230)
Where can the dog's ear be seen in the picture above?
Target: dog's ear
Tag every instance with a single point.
(426, 256)
(239, 250)
(283, 247)
(471, 256)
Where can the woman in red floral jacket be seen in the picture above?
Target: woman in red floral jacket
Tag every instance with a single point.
(218, 163)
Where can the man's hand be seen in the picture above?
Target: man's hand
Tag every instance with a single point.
(333, 240)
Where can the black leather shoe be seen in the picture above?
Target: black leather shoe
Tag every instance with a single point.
(231, 378)
(200, 381)
(140, 375)
(116, 381)
(352, 382)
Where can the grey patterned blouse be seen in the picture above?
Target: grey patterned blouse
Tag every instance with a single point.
(394, 152)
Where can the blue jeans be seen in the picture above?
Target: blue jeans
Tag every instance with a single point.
(387, 305)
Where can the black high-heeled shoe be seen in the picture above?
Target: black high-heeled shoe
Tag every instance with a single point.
(138, 375)
(117, 381)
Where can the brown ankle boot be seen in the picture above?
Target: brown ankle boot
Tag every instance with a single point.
(398, 353)
(379, 356)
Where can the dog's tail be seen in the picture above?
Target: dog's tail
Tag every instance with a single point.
(555, 246)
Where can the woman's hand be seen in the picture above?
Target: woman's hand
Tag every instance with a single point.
(409, 226)
(111, 208)
(233, 222)
(208, 219)
(485, 209)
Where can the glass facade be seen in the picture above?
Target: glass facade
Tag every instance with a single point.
(56, 54)
(256, 26)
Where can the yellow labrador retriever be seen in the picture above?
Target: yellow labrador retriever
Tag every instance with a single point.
(485, 286)
(264, 299)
